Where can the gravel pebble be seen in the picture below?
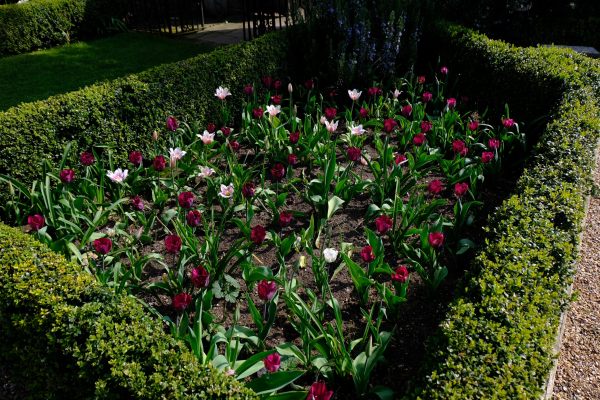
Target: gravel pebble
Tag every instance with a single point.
(578, 374)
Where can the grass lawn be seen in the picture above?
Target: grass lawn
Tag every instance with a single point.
(38, 75)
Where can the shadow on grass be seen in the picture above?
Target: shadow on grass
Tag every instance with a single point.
(38, 75)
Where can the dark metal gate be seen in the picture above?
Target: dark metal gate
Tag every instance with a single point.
(262, 16)
(166, 16)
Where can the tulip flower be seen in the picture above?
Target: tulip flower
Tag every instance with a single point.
(200, 277)
(206, 137)
(494, 144)
(103, 245)
(135, 157)
(354, 94)
(172, 244)
(318, 391)
(436, 239)
(36, 222)
(435, 187)
(186, 199)
(181, 301)
(222, 92)
(266, 290)
(487, 156)
(172, 123)
(205, 172)
(226, 191)
(159, 163)
(118, 175)
(367, 254)
(86, 158)
(400, 275)
(272, 362)
(175, 155)
(383, 223)
(330, 255)
(258, 234)
(67, 175)
(137, 203)
(193, 218)
(248, 190)
(460, 189)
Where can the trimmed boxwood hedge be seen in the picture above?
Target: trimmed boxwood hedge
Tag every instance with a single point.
(497, 339)
(65, 337)
(39, 24)
(124, 112)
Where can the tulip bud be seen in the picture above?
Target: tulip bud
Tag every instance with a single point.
(290, 88)
(155, 136)
(302, 262)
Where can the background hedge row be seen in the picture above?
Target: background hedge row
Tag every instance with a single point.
(497, 339)
(527, 23)
(39, 24)
(123, 113)
(64, 337)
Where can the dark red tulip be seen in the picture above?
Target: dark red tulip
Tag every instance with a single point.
(186, 199)
(103, 245)
(172, 123)
(194, 218)
(266, 290)
(272, 362)
(159, 163)
(172, 244)
(86, 158)
(36, 222)
(435, 187)
(200, 277)
(400, 275)
(135, 157)
(383, 223)
(181, 301)
(436, 239)
(460, 189)
(285, 218)
(367, 254)
(258, 234)
(67, 175)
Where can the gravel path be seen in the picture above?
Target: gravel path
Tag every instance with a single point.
(578, 374)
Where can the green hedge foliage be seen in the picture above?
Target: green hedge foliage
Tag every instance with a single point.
(497, 339)
(124, 112)
(64, 337)
(39, 23)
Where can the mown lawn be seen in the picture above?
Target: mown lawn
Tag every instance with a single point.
(40, 74)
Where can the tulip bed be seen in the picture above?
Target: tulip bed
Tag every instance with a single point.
(281, 249)
(504, 318)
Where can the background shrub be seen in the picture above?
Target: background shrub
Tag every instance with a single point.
(39, 24)
(529, 22)
(355, 42)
